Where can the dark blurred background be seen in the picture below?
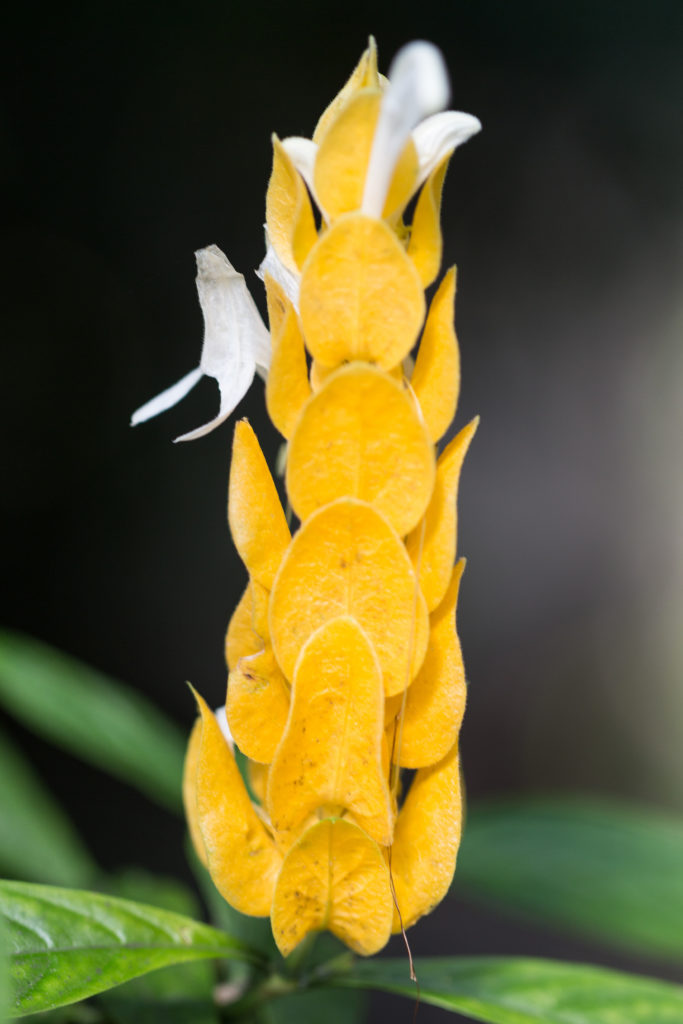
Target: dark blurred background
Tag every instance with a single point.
(132, 135)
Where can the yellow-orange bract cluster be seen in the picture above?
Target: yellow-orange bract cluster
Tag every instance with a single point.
(345, 664)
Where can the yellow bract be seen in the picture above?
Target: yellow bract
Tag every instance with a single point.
(190, 790)
(435, 701)
(433, 550)
(289, 216)
(330, 754)
(333, 877)
(424, 247)
(254, 509)
(287, 386)
(363, 76)
(243, 859)
(342, 160)
(361, 436)
(426, 839)
(436, 377)
(260, 596)
(361, 296)
(241, 638)
(347, 560)
(257, 705)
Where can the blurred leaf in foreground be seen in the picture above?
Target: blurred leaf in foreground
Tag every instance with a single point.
(67, 945)
(37, 841)
(600, 869)
(501, 990)
(99, 720)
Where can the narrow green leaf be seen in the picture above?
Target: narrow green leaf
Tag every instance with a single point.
(99, 720)
(611, 872)
(66, 945)
(501, 990)
(32, 823)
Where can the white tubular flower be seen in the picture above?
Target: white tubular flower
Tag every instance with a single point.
(418, 87)
(236, 342)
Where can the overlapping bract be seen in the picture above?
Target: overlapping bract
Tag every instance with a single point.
(344, 660)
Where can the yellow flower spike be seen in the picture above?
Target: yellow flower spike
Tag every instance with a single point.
(347, 560)
(243, 859)
(289, 215)
(432, 550)
(334, 877)
(342, 159)
(257, 523)
(435, 700)
(361, 296)
(190, 768)
(425, 245)
(362, 436)
(331, 750)
(436, 377)
(257, 705)
(241, 638)
(426, 840)
(287, 386)
(363, 76)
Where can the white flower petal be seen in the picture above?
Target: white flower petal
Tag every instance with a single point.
(222, 720)
(288, 281)
(235, 339)
(168, 398)
(437, 136)
(302, 152)
(418, 86)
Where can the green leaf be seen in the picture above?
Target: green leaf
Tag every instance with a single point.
(66, 945)
(97, 719)
(513, 990)
(32, 823)
(176, 995)
(611, 872)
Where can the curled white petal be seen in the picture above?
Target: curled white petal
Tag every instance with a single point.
(288, 281)
(418, 86)
(235, 341)
(437, 136)
(222, 720)
(233, 333)
(168, 398)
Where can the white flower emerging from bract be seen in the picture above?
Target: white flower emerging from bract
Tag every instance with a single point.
(236, 342)
(418, 87)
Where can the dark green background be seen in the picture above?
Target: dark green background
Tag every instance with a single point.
(132, 135)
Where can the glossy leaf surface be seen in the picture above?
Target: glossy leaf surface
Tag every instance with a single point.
(66, 944)
(517, 990)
